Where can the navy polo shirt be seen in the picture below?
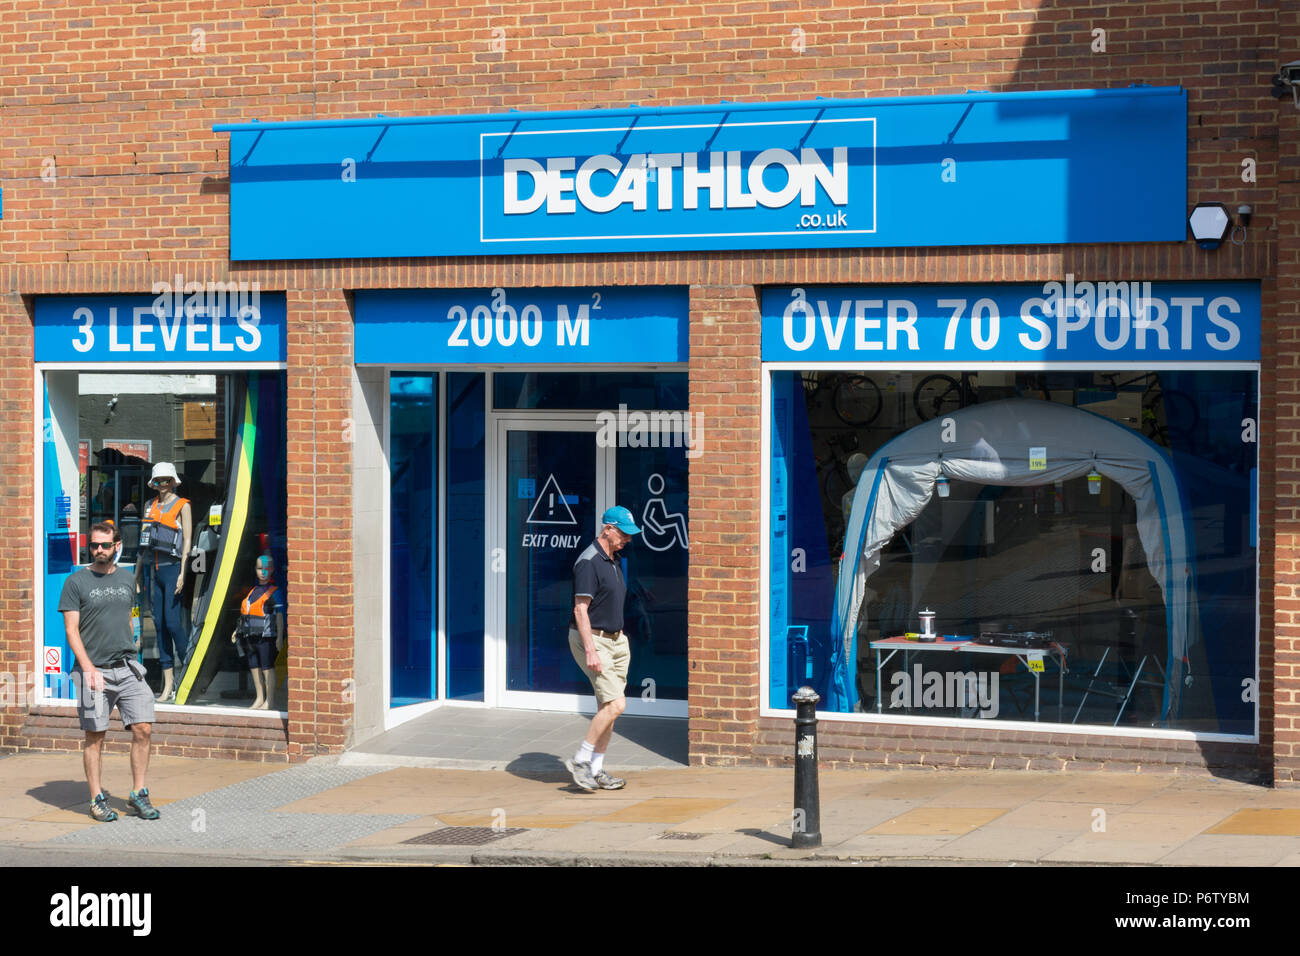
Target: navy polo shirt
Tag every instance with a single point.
(596, 575)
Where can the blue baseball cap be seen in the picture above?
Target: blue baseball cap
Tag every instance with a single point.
(621, 519)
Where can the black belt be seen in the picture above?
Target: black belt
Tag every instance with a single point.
(612, 635)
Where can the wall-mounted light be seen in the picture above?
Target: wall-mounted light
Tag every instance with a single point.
(1209, 223)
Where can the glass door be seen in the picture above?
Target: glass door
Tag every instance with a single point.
(554, 482)
(551, 505)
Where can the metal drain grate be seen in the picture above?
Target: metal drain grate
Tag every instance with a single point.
(680, 835)
(464, 836)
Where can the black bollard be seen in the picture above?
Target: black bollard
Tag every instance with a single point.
(806, 823)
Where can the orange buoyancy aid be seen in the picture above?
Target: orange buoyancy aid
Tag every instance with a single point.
(255, 617)
(162, 527)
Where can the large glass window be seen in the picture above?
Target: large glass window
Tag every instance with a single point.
(413, 537)
(1085, 541)
(108, 436)
(466, 430)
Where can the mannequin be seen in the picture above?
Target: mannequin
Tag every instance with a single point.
(165, 535)
(261, 627)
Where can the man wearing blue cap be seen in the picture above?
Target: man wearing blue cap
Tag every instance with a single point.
(598, 643)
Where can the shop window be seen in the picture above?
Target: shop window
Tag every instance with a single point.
(1084, 539)
(466, 431)
(222, 436)
(413, 437)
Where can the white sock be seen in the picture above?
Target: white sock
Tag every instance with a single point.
(597, 760)
(584, 754)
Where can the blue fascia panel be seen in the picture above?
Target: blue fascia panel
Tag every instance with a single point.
(979, 169)
(1074, 320)
(219, 323)
(607, 325)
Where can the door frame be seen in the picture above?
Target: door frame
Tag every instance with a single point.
(494, 637)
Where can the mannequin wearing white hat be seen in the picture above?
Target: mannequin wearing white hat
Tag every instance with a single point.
(165, 538)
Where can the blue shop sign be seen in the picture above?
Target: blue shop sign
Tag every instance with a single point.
(1071, 320)
(212, 322)
(977, 169)
(609, 325)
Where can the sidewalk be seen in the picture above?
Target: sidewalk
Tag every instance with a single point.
(322, 811)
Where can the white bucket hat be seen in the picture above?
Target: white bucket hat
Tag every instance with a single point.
(164, 469)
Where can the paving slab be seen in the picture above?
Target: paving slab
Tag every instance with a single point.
(999, 842)
(1261, 821)
(1208, 849)
(499, 736)
(938, 821)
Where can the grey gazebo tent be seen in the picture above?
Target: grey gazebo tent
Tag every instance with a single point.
(991, 444)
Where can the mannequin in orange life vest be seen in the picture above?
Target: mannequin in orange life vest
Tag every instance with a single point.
(261, 625)
(165, 536)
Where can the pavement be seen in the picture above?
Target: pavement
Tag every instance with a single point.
(362, 810)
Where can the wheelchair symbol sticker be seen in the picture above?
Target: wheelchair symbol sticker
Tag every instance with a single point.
(661, 528)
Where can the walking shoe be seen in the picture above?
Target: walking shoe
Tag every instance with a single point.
(581, 771)
(606, 782)
(100, 810)
(139, 802)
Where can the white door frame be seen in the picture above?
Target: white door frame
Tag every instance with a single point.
(494, 665)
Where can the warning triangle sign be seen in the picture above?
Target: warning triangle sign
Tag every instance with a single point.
(550, 506)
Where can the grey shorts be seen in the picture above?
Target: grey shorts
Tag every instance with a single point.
(124, 688)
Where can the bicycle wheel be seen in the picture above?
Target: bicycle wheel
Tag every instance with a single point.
(835, 485)
(936, 396)
(857, 400)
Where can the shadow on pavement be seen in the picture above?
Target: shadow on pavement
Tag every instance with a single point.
(62, 794)
(542, 767)
(764, 835)
(665, 736)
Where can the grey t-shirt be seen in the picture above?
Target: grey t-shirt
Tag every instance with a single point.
(104, 602)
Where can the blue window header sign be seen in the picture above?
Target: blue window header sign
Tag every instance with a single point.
(978, 169)
(1049, 322)
(218, 323)
(609, 325)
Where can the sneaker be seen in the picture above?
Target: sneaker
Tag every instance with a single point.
(139, 802)
(100, 810)
(581, 771)
(606, 782)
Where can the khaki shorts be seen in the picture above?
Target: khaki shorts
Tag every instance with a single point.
(614, 657)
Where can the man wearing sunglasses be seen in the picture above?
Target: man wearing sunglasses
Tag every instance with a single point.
(96, 605)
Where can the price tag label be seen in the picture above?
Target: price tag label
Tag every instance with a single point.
(1035, 662)
(1038, 458)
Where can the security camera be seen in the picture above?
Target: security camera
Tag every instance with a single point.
(1287, 79)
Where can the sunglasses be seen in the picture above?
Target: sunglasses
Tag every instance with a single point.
(102, 546)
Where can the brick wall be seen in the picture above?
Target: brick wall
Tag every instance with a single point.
(17, 448)
(54, 729)
(113, 179)
(723, 620)
(107, 152)
(1285, 592)
(320, 522)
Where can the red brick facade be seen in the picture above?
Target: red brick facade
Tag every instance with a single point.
(113, 180)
